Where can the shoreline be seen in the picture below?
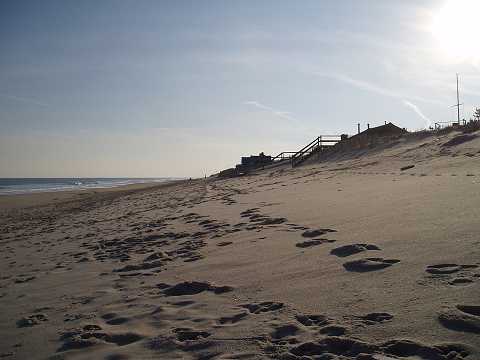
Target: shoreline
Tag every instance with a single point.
(45, 198)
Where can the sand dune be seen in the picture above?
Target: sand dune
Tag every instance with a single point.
(348, 258)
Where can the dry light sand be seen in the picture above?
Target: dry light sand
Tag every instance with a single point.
(349, 258)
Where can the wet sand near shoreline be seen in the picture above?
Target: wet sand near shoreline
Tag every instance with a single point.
(28, 200)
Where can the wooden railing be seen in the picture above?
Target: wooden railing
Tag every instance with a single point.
(284, 155)
(320, 143)
(442, 124)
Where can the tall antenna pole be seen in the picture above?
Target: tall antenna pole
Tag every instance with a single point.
(458, 104)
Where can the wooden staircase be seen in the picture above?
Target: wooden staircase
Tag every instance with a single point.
(319, 144)
(284, 155)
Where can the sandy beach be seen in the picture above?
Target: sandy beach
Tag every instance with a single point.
(345, 258)
(30, 200)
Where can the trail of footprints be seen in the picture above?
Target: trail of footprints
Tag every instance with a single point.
(313, 335)
(285, 340)
(184, 246)
(292, 335)
(317, 237)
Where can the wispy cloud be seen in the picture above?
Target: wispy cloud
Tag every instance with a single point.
(367, 86)
(415, 108)
(363, 85)
(25, 100)
(283, 114)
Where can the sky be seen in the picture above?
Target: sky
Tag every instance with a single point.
(152, 88)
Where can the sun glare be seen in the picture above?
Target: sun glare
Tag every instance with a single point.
(457, 29)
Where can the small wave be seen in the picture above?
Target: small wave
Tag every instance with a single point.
(25, 186)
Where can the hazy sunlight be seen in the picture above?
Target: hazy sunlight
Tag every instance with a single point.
(456, 28)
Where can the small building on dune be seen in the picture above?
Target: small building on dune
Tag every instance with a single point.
(248, 163)
(388, 129)
(372, 137)
(253, 162)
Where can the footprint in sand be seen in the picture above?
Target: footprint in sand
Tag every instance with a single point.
(192, 288)
(317, 232)
(312, 320)
(91, 335)
(114, 319)
(24, 279)
(286, 330)
(462, 318)
(333, 330)
(159, 255)
(461, 281)
(323, 323)
(453, 274)
(314, 242)
(375, 318)
(224, 243)
(232, 319)
(342, 347)
(296, 227)
(272, 221)
(332, 346)
(185, 334)
(443, 269)
(448, 268)
(32, 320)
(260, 219)
(347, 250)
(249, 212)
(369, 264)
(183, 303)
(265, 306)
(166, 344)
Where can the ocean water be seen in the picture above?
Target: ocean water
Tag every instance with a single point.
(10, 186)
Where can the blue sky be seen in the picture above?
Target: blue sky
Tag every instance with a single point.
(184, 88)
